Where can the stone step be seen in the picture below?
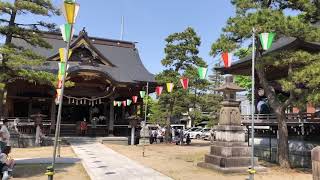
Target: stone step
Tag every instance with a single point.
(229, 161)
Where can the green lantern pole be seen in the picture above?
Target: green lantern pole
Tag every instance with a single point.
(251, 169)
(70, 10)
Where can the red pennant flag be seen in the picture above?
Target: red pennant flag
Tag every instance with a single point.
(159, 90)
(124, 103)
(134, 99)
(227, 58)
(59, 84)
(184, 82)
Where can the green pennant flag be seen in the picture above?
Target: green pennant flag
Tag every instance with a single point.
(202, 71)
(66, 32)
(119, 103)
(266, 40)
(62, 66)
(129, 102)
(142, 94)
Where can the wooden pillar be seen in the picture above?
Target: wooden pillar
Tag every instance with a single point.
(5, 104)
(30, 108)
(53, 115)
(123, 113)
(111, 117)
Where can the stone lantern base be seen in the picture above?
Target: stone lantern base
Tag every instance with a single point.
(229, 153)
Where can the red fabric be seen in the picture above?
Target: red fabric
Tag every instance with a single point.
(159, 90)
(83, 125)
(184, 82)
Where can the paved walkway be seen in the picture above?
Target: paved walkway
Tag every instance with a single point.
(103, 163)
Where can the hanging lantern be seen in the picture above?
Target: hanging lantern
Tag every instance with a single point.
(119, 103)
(134, 99)
(142, 94)
(184, 83)
(100, 101)
(69, 101)
(70, 11)
(227, 59)
(72, 101)
(129, 102)
(77, 102)
(266, 40)
(159, 90)
(80, 101)
(170, 87)
(63, 54)
(66, 32)
(124, 103)
(202, 72)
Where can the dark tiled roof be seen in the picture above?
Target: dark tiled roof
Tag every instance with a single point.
(127, 68)
(282, 43)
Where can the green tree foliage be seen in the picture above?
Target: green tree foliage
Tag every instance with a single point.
(181, 60)
(15, 59)
(301, 66)
(216, 79)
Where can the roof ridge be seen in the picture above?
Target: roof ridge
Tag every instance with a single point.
(57, 35)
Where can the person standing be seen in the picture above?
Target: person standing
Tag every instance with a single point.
(83, 127)
(4, 135)
(94, 126)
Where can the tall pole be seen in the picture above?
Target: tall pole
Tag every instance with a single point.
(145, 116)
(122, 27)
(252, 105)
(146, 106)
(58, 123)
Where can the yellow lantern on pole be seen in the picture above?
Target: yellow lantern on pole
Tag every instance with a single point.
(70, 11)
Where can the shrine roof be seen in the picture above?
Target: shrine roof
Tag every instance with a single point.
(243, 66)
(120, 59)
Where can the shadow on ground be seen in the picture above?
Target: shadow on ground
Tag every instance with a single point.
(31, 170)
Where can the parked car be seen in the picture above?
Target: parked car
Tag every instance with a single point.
(206, 134)
(196, 134)
(190, 130)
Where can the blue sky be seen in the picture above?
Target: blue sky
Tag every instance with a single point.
(149, 22)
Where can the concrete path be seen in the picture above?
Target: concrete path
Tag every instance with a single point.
(103, 163)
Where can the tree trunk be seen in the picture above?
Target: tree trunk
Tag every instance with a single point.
(1, 102)
(283, 147)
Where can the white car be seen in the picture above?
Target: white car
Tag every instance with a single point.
(190, 130)
(195, 134)
(206, 134)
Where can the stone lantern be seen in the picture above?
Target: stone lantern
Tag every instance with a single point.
(229, 153)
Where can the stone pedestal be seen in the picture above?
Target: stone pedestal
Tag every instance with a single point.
(315, 157)
(229, 153)
(144, 135)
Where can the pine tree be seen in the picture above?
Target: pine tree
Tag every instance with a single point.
(302, 66)
(181, 60)
(15, 59)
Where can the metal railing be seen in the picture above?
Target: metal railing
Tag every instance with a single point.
(290, 118)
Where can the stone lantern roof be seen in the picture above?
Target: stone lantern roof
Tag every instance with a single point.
(229, 86)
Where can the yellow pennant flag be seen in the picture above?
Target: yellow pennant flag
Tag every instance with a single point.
(170, 87)
(62, 53)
